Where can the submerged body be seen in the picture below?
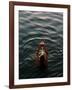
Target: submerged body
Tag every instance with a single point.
(42, 55)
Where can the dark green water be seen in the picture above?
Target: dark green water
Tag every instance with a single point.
(33, 27)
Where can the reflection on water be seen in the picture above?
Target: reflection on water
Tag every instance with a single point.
(35, 26)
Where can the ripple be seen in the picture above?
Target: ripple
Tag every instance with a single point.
(35, 26)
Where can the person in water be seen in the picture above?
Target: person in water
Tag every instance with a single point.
(42, 55)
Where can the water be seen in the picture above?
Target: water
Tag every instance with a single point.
(35, 26)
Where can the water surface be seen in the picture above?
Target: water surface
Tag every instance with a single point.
(35, 26)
